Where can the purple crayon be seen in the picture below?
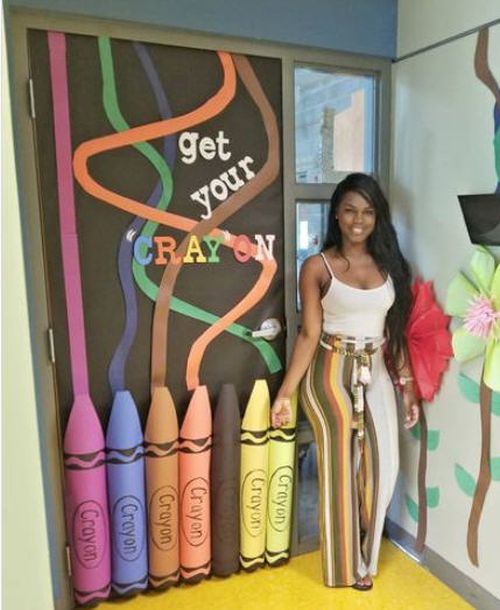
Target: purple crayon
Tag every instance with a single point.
(86, 503)
(126, 497)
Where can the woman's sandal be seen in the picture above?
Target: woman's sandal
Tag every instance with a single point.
(363, 586)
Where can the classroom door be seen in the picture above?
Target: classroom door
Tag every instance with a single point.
(176, 160)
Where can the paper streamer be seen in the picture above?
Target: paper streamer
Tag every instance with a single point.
(86, 505)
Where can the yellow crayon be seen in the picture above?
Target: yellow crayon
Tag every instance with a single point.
(253, 478)
(280, 489)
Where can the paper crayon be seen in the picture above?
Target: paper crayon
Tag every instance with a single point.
(86, 503)
(126, 497)
(253, 478)
(161, 438)
(280, 490)
(194, 486)
(225, 484)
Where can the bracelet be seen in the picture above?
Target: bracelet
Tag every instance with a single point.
(403, 380)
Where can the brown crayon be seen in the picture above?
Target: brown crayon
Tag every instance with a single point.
(162, 487)
(225, 483)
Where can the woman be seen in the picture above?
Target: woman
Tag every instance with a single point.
(355, 297)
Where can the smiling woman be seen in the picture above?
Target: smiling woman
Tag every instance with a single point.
(355, 296)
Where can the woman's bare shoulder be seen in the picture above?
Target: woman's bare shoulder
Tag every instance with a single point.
(312, 265)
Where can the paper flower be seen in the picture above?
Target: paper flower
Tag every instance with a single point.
(428, 340)
(477, 302)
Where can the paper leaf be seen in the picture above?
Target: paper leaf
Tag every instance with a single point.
(432, 436)
(432, 496)
(468, 388)
(495, 468)
(412, 507)
(465, 481)
(495, 403)
(482, 267)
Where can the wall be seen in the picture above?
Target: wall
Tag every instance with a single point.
(442, 136)
(25, 567)
(420, 24)
(358, 26)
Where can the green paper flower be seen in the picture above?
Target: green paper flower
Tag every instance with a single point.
(477, 302)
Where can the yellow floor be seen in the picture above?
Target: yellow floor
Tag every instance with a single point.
(400, 585)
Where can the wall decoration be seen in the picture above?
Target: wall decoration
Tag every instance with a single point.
(254, 477)
(84, 457)
(281, 481)
(429, 349)
(225, 483)
(161, 438)
(477, 303)
(174, 158)
(482, 212)
(194, 487)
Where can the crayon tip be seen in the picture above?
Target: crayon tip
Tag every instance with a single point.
(161, 425)
(257, 412)
(124, 427)
(83, 432)
(198, 419)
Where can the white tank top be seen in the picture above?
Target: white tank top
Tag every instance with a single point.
(356, 312)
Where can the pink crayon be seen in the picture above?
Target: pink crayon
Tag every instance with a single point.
(194, 486)
(86, 504)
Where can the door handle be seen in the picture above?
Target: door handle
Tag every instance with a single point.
(269, 330)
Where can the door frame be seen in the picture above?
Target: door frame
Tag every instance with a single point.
(37, 291)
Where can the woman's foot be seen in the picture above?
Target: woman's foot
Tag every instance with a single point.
(363, 584)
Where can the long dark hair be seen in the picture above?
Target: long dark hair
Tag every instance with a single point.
(384, 248)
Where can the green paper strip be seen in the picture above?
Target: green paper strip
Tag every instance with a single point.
(465, 481)
(412, 507)
(432, 496)
(119, 123)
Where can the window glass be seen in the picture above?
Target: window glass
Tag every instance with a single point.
(334, 124)
(312, 222)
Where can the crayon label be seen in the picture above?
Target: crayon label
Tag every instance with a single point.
(196, 511)
(280, 498)
(89, 534)
(163, 512)
(128, 527)
(226, 507)
(253, 502)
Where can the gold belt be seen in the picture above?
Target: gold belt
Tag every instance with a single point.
(360, 350)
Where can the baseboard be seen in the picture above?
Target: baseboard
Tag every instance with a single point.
(462, 584)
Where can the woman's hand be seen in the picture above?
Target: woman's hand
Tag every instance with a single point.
(281, 412)
(412, 407)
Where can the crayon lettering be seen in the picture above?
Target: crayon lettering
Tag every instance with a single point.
(226, 504)
(163, 518)
(254, 491)
(219, 188)
(127, 521)
(89, 534)
(195, 510)
(280, 498)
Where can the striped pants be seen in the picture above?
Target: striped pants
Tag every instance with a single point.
(356, 478)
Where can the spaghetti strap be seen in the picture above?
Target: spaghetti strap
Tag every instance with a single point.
(327, 265)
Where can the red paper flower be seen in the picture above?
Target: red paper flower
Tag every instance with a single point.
(428, 340)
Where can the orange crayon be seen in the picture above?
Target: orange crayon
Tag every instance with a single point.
(161, 439)
(194, 485)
